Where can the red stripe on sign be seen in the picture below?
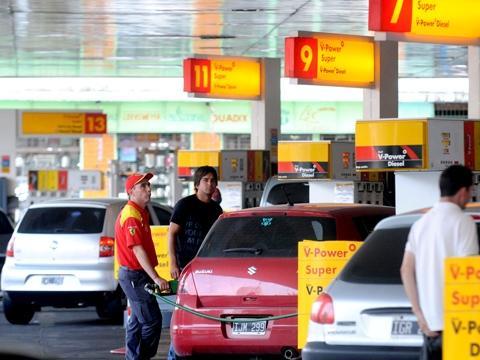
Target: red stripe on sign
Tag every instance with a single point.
(184, 171)
(286, 167)
(411, 154)
(319, 167)
(468, 136)
(365, 153)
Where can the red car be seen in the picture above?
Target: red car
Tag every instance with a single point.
(247, 268)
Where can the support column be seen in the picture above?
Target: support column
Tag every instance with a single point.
(474, 82)
(382, 101)
(266, 111)
(8, 141)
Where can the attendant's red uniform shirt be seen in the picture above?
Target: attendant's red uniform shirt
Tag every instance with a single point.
(133, 228)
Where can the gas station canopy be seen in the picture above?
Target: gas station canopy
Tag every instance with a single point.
(150, 38)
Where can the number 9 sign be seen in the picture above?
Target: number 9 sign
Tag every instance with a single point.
(301, 57)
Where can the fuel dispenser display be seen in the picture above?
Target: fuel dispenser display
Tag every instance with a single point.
(415, 152)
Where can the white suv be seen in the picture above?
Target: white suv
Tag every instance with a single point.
(61, 254)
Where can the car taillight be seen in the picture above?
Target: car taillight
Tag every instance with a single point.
(187, 291)
(322, 310)
(10, 250)
(106, 246)
(185, 283)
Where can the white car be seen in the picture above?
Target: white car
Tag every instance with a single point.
(283, 191)
(365, 313)
(62, 254)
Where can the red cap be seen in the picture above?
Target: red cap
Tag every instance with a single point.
(136, 178)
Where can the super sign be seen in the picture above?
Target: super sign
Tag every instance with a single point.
(223, 77)
(330, 59)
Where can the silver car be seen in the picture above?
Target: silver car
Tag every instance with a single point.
(282, 191)
(62, 254)
(365, 313)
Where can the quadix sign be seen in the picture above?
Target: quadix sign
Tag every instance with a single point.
(434, 21)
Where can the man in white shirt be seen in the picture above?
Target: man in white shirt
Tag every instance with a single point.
(444, 231)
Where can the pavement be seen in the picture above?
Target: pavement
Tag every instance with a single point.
(68, 334)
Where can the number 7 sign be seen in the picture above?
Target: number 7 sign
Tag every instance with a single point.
(390, 15)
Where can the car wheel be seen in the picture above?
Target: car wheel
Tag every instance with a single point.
(17, 313)
(111, 306)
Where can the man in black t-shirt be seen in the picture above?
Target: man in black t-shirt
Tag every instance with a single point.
(192, 218)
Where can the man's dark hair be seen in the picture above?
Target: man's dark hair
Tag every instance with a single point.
(201, 172)
(454, 178)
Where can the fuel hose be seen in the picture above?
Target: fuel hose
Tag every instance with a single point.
(155, 291)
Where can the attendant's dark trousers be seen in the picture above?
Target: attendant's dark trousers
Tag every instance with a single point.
(145, 324)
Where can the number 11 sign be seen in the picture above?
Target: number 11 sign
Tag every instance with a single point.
(223, 77)
(330, 59)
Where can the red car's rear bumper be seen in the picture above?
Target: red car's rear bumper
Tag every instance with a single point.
(191, 334)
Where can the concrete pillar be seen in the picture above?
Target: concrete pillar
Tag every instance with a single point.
(382, 100)
(266, 111)
(474, 82)
(8, 121)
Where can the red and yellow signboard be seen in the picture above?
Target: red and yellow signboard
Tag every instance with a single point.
(319, 262)
(471, 131)
(58, 123)
(461, 309)
(303, 159)
(223, 77)
(390, 145)
(442, 21)
(188, 161)
(330, 59)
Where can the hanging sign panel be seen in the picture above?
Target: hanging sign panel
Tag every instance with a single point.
(330, 59)
(58, 123)
(223, 77)
(437, 21)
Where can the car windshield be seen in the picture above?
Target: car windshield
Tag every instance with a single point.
(298, 192)
(269, 236)
(65, 220)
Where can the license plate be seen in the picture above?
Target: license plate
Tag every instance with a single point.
(405, 328)
(52, 280)
(249, 328)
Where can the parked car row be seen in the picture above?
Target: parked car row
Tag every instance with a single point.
(61, 254)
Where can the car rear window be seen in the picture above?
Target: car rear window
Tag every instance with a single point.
(378, 260)
(65, 220)
(297, 192)
(366, 223)
(269, 236)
